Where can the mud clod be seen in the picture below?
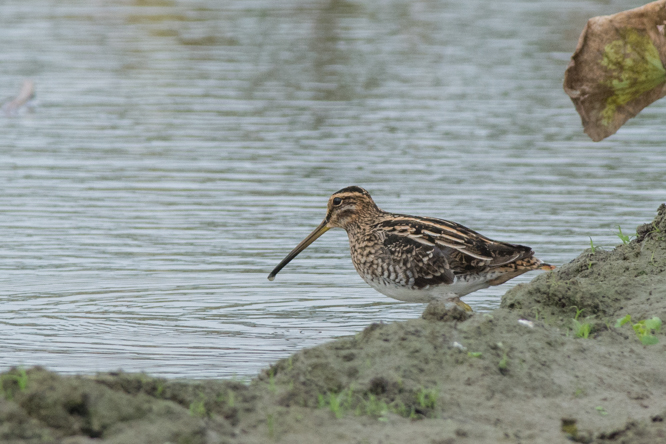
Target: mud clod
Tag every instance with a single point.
(443, 312)
(602, 283)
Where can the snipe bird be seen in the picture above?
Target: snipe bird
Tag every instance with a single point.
(417, 259)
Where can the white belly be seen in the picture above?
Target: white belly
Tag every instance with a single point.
(459, 287)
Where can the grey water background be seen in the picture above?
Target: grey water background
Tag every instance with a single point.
(178, 150)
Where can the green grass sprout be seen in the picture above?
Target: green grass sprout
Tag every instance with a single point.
(21, 380)
(581, 329)
(427, 398)
(643, 329)
(620, 322)
(198, 408)
(625, 238)
(270, 424)
(504, 363)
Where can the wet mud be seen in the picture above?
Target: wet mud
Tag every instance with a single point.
(550, 365)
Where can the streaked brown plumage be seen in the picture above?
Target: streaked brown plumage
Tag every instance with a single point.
(417, 259)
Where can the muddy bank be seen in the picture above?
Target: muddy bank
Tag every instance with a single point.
(549, 366)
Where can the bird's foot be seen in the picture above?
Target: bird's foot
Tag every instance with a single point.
(464, 306)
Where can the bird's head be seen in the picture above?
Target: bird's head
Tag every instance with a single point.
(348, 206)
(345, 208)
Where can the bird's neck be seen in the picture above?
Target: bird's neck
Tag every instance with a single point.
(365, 222)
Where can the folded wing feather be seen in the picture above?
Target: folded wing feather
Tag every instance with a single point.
(435, 233)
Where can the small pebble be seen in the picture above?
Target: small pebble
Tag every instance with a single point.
(526, 323)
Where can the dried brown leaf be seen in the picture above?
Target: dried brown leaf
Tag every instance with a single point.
(618, 68)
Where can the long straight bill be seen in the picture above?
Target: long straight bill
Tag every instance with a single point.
(321, 229)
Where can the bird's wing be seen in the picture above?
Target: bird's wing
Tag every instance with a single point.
(463, 249)
(420, 262)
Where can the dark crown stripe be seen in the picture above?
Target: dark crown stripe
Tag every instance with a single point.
(353, 189)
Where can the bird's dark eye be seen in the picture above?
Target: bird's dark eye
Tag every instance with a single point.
(337, 201)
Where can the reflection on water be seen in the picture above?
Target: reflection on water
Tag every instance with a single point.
(181, 148)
